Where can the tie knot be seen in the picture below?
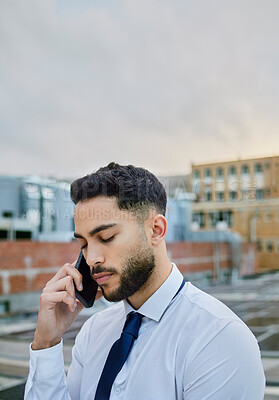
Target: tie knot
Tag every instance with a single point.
(132, 324)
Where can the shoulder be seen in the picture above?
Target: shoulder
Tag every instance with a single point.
(199, 301)
(217, 346)
(207, 319)
(210, 323)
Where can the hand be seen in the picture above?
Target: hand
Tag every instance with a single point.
(99, 294)
(58, 307)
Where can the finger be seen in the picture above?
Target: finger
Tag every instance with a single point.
(60, 274)
(74, 263)
(49, 300)
(64, 284)
(67, 269)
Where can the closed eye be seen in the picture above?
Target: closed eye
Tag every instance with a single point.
(101, 240)
(107, 240)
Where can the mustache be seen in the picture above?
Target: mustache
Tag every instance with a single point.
(99, 269)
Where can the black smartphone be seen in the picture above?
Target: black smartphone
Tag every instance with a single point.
(87, 295)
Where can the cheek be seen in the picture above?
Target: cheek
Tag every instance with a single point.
(123, 247)
(117, 256)
(114, 254)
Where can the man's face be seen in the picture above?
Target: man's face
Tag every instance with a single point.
(115, 247)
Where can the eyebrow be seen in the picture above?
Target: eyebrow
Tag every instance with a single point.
(95, 230)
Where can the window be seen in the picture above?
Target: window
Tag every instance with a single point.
(229, 218)
(199, 218)
(258, 168)
(219, 216)
(7, 214)
(245, 169)
(207, 173)
(195, 217)
(220, 196)
(212, 219)
(196, 174)
(4, 307)
(196, 188)
(259, 194)
(232, 195)
(232, 171)
(202, 220)
(208, 196)
(259, 246)
(3, 234)
(220, 172)
(23, 235)
(269, 247)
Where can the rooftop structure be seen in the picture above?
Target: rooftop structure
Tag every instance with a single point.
(35, 208)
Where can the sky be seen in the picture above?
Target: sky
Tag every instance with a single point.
(154, 83)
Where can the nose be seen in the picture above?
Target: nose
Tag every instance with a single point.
(94, 256)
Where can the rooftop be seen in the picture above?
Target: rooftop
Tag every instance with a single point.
(254, 300)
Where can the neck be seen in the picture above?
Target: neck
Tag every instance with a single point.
(160, 274)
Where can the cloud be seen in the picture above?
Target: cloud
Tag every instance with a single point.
(158, 84)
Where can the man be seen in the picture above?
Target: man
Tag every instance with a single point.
(189, 345)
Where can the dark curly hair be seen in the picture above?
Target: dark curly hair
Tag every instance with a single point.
(136, 189)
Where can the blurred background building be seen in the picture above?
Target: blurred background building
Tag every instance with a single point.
(35, 208)
(243, 195)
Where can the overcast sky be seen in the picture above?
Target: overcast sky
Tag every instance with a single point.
(159, 84)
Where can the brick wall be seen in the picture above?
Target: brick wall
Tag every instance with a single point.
(193, 257)
(26, 265)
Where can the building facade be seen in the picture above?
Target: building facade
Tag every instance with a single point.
(244, 196)
(35, 208)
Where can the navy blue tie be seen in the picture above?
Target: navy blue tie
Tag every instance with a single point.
(118, 355)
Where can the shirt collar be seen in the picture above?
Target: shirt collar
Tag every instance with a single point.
(155, 306)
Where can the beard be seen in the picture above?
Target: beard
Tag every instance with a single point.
(136, 270)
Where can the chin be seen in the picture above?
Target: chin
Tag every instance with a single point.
(110, 293)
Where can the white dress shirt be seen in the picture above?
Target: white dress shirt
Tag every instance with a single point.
(191, 347)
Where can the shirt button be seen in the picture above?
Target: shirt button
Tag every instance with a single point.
(117, 390)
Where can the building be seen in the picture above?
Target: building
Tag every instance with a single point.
(182, 237)
(176, 185)
(244, 196)
(35, 208)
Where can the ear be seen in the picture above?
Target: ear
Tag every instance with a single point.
(159, 229)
